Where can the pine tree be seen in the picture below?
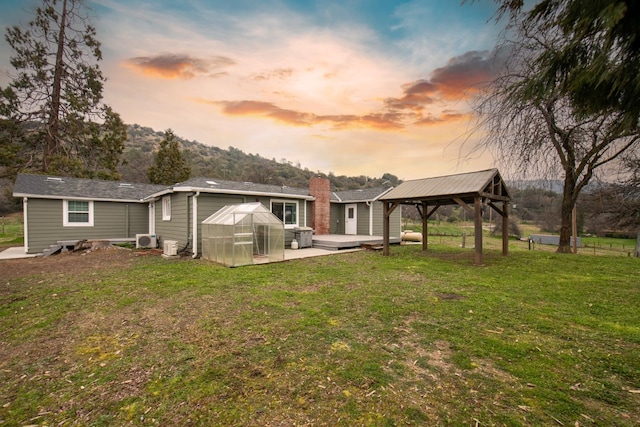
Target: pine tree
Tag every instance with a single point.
(57, 92)
(169, 166)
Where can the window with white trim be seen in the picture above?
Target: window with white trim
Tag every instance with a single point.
(77, 213)
(166, 208)
(286, 211)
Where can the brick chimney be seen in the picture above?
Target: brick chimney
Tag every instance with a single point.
(320, 188)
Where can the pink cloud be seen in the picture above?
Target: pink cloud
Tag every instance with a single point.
(179, 66)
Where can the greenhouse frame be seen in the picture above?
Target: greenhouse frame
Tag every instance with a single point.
(243, 234)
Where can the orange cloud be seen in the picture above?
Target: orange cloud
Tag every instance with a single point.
(178, 66)
(446, 116)
(459, 79)
(278, 73)
(455, 81)
(464, 75)
(266, 109)
(417, 95)
(383, 121)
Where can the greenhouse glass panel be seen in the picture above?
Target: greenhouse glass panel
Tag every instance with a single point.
(243, 234)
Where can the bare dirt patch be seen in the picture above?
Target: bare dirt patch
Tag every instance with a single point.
(68, 263)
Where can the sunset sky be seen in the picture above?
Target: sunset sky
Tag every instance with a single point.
(352, 87)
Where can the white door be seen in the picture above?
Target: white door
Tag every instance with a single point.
(351, 219)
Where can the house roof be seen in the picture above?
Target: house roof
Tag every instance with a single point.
(210, 185)
(364, 195)
(55, 187)
(444, 189)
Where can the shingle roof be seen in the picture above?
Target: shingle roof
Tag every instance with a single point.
(366, 194)
(235, 187)
(445, 187)
(44, 186)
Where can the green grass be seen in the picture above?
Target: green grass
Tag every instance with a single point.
(11, 231)
(450, 234)
(535, 338)
(609, 243)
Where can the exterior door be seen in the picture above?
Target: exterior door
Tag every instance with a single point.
(351, 219)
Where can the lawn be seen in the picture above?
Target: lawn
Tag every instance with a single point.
(355, 339)
(11, 231)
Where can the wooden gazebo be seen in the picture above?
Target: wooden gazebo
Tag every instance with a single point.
(473, 191)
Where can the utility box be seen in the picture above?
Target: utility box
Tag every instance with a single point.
(304, 236)
(170, 248)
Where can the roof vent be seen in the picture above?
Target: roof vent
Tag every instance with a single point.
(212, 183)
(125, 185)
(54, 179)
(248, 183)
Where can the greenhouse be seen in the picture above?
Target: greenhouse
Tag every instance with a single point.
(243, 234)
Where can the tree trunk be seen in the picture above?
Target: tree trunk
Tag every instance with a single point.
(566, 215)
(637, 251)
(53, 124)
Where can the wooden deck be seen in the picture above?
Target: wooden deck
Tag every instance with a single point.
(335, 242)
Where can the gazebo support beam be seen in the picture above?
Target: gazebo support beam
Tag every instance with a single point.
(387, 210)
(425, 222)
(504, 213)
(505, 228)
(477, 218)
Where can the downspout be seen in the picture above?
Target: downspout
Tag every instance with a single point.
(305, 213)
(370, 206)
(25, 225)
(194, 225)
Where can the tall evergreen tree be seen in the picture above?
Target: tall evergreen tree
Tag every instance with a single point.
(597, 65)
(57, 92)
(169, 166)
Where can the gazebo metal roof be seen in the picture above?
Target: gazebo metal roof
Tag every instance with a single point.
(445, 189)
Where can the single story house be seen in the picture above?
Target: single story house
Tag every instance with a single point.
(71, 209)
(62, 209)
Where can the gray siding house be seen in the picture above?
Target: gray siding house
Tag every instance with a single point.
(180, 210)
(358, 212)
(59, 209)
(71, 209)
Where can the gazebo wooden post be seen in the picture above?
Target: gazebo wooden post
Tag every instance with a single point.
(425, 220)
(385, 228)
(477, 204)
(505, 228)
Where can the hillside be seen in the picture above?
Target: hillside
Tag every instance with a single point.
(232, 164)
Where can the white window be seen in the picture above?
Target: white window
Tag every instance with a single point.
(166, 208)
(77, 213)
(286, 211)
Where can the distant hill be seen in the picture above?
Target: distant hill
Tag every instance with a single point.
(232, 164)
(554, 185)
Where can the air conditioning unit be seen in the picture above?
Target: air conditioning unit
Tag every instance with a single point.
(170, 248)
(145, 241)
